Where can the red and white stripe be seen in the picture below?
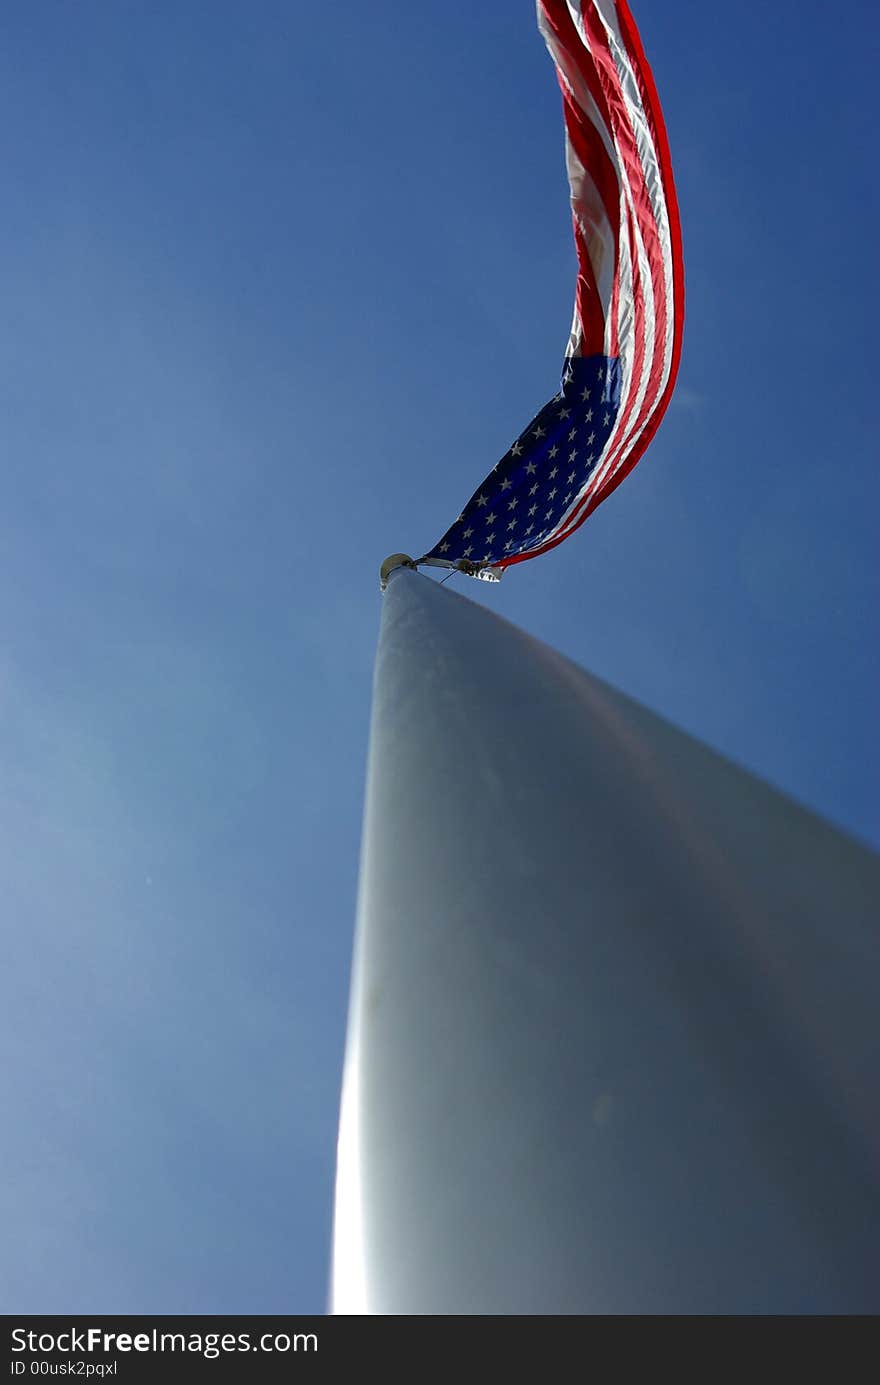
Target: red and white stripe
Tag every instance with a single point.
(629, 300)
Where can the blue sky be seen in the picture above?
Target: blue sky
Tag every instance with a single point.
(280, 283)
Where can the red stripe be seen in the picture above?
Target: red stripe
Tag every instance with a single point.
(587, 300)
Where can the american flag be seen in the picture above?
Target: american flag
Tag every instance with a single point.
(625, 342)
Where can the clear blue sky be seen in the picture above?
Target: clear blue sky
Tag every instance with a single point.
(279, 283)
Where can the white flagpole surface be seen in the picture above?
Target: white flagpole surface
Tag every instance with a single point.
(613, 1043)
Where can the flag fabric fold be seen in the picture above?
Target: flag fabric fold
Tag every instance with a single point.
(625, 341)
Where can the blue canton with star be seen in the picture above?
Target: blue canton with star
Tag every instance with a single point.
(523, 499)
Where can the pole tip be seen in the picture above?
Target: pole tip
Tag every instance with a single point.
(395, 560)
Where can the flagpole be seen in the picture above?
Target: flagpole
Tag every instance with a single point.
(613, 1039)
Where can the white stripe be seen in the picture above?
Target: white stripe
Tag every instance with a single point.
(625, 308)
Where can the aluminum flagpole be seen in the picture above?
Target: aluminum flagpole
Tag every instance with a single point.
(613, 1040)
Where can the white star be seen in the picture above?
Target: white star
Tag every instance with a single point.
(607, 419)
(506, 485)
(516, 450)
(530, 469)
(548, 514)
(564, 413)
(538, 432)
(551, 493)
(572, 456)
(490, 520)
(490, 538)
(552, 453)
(591, 459)
(467, 533)
(585, 394)
(588, 415)
(533, 488)
(512, 504)
(568, 497)
(469, 550)
(511, 525)
(572, 435)
(533, 509)
(529, 530)
(509, 544)
(553, 472)
(444, 547)
(591, 438)
(570, 479)
(481, 500)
